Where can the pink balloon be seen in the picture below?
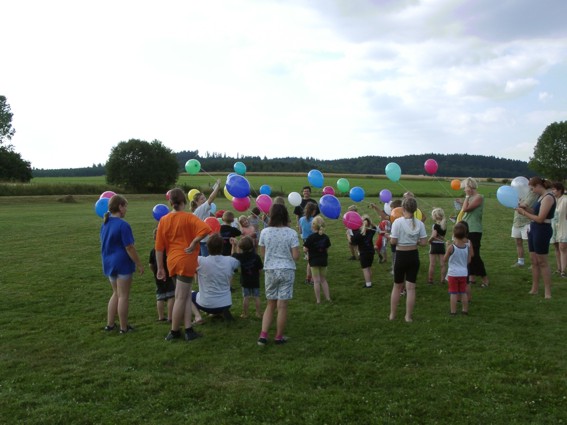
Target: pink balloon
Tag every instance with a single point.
(352, 220)
(264, 202)
(241, 204)
(328, 190)
(108, 194)
(430, 166)
(167, 194)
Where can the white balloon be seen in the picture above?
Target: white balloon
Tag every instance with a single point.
(387, 208)
(294, 199)
(520, 183)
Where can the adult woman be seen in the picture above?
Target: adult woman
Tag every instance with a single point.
(201, 207)
(179, 234)
(119, 261)
(540, 232)
(472, 207)
(407, 234)
(559, 226)
(279, 246)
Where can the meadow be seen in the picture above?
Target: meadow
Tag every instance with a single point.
(345, 362)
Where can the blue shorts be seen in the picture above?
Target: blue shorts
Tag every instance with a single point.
(539, 237)
(250, 292)
(217, 310)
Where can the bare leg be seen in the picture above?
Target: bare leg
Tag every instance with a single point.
(367, 272)
(112, 308)
(182, 292)
(170, 304)
(160, 304)
(268, 315)
(245, 303)
(443, 269)
(453, 303)
(410, 300)
(465, 303)
(123, 286)
(563, 255)
(325, 287)
(520, 248)
(317, 288)
(282, 317)
(431, 271)
(535, 273)
(257, 303)
(395, 299)
(545, 273)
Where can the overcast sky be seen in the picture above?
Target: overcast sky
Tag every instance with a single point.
(321, 78)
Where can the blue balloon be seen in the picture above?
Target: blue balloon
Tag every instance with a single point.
(508, 196)
(239, 168)
(238, 186)
(265, 190)
(159, 211)
(213, 208)
(393, 171)
(315, 178)
(356, 194)
(330, 206)
(101, 207)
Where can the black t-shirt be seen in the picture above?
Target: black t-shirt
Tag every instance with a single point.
(250, 266)
(227, 232)
(317, 246)
(298, 211)
(364, 242)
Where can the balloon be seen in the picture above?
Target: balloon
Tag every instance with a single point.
(385, 195)
(315, 178)
(108, 194)
(101, 207)
(430, 166)
(168, 194)
(239, 168)
(387, 208)
(521, 185)
(356, 194)
(294, 199)
(227, 195)
(328, 190)
(241, 204)
(159, 211)
(418, 214)
(238, 186)
(330, 206)
(213, 224)
(192, 166)
(507, 196)
(213, 208)
(352, 220)
(343, 185)
(393, 171)
(455, 184)
(396, 213)
(265, 190)
(192, 194)
(264, 202)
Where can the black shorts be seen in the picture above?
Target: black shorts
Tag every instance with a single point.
(437, 248)
(366, 259)
(406, 266)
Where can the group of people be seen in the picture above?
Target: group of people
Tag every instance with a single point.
(186, 251)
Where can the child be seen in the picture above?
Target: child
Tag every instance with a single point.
(250, 266)
(316, 245)
(165, 289)
(309, 212)
(458, 256)
(246, 228)
(437, 244)
(382, 241)
(362, 238)
(351, 246)
(256, 219)
(215, 275)
(228, 232)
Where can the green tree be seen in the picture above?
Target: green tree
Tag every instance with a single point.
(550, 152)
(140, 166)
(12, 166)
(6, 129)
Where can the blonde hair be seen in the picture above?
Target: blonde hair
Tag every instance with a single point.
(438, 215)
(242, 218)
(318, 224)
(352, 208)
(470, 183)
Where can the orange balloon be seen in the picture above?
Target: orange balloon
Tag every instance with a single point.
(396, 213)
(455, 184)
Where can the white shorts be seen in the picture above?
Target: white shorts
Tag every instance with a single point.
(520, 232)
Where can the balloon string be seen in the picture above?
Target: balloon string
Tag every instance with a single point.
(444, 188)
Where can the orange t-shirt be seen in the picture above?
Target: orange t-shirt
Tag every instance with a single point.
(175, 232)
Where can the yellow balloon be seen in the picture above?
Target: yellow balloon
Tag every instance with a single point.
(192, 193)
(418, 214)
(460, 216)
(227, 195)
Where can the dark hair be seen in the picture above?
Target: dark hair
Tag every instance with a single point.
(177, 198)
(228, 217)
(396, 203)
(246, 244)
(215, 244)
(306, 187)
(464, 223)
(310, 209)
(114, 205)
(256, 211)
(559, 186)
(460, 230)
(534, 181)
(279, 216)
(194, 204)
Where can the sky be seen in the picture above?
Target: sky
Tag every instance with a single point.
(326, 79)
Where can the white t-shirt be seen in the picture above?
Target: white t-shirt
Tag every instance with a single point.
(408, 231)
(278, 242)
(203, 211)
(215, 273)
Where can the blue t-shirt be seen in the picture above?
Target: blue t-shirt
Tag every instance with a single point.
(115, 236)
(305, 225)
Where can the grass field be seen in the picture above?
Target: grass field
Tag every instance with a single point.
(345, 362)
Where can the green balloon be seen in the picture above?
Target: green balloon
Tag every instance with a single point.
(192, 166)
(343, 185)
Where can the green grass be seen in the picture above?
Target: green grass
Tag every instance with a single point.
(345, 362)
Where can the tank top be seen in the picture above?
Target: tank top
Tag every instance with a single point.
(474, 217)
(458, 261)
(551, 212)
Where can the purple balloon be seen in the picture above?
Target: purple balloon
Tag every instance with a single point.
(385, 195)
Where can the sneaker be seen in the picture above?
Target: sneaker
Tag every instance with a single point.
(190, 334)
(352, 258)
(366, 287)
(281, 341)
(109, 328)
(173, 335)
(262, 341)
(128, 329)
(517, 265)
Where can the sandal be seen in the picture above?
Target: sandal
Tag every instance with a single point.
(484, 285)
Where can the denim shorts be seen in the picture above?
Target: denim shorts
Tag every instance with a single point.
(250, 292)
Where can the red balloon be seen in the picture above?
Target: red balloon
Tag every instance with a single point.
(213, 224)
(241, 204)
(430, 166)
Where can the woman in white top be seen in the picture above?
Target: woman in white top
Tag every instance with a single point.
(407, 234)
(201, 207)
